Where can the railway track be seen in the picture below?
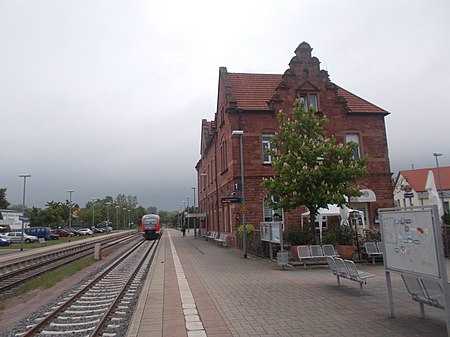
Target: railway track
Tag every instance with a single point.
(15, 277)
(99, 307)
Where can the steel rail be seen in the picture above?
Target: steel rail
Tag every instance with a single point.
(106, 316)
(12, 279)
(54, 314)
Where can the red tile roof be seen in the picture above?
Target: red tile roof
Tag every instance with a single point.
(253, 91)
(418, 178)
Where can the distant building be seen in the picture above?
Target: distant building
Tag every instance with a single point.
(11, 219)
(250, 102)
(410, 187)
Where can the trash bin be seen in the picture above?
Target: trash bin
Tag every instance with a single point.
(283, 258)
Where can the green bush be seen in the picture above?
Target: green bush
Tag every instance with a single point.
(249, 227)
(338, 235)
(300, 236)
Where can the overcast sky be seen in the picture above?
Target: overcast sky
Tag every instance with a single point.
(107, 96)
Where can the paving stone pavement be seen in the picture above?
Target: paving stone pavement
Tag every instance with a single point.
(255, 297)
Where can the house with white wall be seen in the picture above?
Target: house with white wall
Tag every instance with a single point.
(411, 187)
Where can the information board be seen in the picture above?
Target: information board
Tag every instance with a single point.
(270, 231)
(410, 241)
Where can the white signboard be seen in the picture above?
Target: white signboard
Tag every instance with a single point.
(410, 242)
(271, 231)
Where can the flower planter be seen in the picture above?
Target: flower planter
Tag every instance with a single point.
(346, 252)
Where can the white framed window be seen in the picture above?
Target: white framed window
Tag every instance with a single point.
(354, 137)
(267, 144)
(271, 214)
(310, 101)
(324, 222)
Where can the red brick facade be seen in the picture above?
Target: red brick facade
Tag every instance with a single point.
(250, 102)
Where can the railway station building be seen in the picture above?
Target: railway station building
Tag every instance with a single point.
(250, 103)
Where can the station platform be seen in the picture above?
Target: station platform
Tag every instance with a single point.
(196, 288)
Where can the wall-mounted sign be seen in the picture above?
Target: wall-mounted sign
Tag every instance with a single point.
(230, 199)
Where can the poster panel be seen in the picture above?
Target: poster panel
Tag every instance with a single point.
(270, 231)
(410, 241)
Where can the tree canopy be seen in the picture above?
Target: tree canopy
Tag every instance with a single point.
(4, 204)
(311, 170)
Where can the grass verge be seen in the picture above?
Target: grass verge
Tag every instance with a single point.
(47, 280)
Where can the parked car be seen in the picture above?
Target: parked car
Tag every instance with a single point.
(103, 228)
(3, 236)
(42, 232)
(4, 240)
(16, 237)
(85, 231)
(63, 233)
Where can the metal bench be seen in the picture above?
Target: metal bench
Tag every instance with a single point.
(211, 236)
(425, 291)
(222, 239)
(347, 269)
(372, 250)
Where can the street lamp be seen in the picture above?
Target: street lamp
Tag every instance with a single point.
(70, 209)
(206, 200)
(124, 209)
(355, 217)
(240, 134)
(184, 213)
(195, 211)
(107, 213)
(129, 218)
(24, 176)
(187, 207)
(117, 217)
(93, 211)
(441, 190)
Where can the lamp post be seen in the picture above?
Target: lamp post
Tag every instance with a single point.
(184, 212)
(129, 218)
(93, 211)
(124, 209)
(117, 217)
(24, 176)
(107, 213)
(187, 207)
(206, 201)
(441, 189)
(240, 134)
(355, 216)
(70, 208)
(195, 211)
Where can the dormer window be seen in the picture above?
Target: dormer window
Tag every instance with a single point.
(310, 101)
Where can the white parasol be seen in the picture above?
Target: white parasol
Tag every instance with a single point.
(433, 195)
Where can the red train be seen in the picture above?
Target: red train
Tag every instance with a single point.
(151, 226)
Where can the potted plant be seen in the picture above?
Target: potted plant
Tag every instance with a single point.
(298, 237)
(342, 237)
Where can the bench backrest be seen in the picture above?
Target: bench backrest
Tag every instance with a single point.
(380, 246)
(371, 248)
(332, 264)
(414, 288)
(303, 251)
(328, 250)
(316, 251)
(342, 268)
(352, 270)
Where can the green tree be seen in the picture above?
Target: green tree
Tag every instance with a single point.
(311, 170)
(4, 204)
